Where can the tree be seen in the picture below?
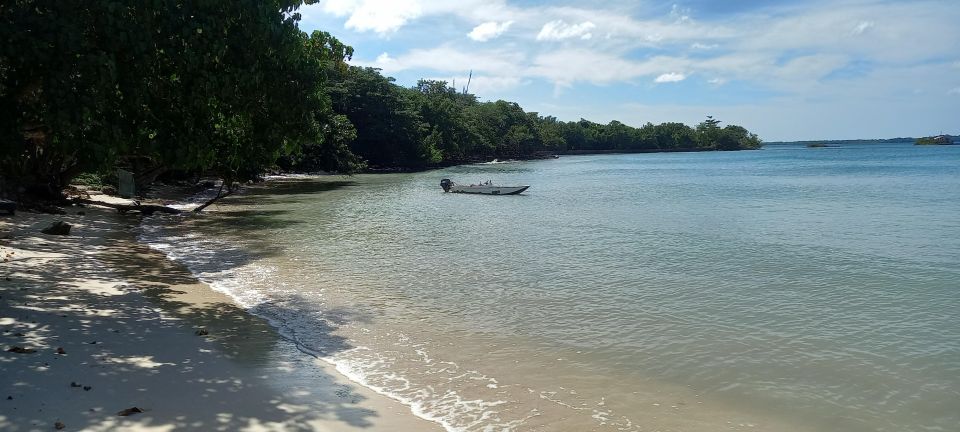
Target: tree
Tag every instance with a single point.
(389, 129)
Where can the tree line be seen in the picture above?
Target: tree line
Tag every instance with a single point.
(234, 88)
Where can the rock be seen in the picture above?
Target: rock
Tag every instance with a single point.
(109, 190)
(9, 397)
(21, 350)
(59, 425)
(128, 411)
(201, 332)
(74, 384)
(60, 350)
(58, 228)
(87, 388)
(80, 213)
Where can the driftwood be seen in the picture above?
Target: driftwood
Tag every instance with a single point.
(145, 209)
(220, 194)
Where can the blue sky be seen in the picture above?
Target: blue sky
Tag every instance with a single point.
(787, 70)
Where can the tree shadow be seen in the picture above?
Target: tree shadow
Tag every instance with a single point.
(236, 372)
(283, 189)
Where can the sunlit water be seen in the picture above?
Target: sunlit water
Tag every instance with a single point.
(782, 289)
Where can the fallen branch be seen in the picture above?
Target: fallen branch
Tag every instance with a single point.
(220, 194)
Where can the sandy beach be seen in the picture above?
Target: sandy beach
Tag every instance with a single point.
(104, 324)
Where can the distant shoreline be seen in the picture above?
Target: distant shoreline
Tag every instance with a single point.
(898, 140)
(542, 156)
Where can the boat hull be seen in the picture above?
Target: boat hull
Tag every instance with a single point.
(488, 190)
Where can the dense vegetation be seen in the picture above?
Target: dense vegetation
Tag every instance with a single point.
(233, 88)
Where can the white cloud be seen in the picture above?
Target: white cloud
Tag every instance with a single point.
(703, 46)
(682, 15)
(954, 91)
(559, 30)
(564, 67)
(489, 30)
(381, 16)
(449, 58)
(670, 77)
(717, 81)
(862, 26)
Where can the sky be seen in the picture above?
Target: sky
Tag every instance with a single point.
(784, 69)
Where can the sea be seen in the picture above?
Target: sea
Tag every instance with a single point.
(782, 289)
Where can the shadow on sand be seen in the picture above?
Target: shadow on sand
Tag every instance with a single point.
(145, 353)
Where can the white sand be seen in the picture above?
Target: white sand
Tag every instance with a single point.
(126, 318)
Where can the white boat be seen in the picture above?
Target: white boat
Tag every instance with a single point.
(485, 188)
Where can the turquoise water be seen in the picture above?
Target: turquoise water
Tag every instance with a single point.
(782, 289)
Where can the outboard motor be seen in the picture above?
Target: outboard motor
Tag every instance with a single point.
(445, 184)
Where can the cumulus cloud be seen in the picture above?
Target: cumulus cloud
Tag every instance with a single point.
(489, 30)
(559, 30)
(381, 16)
(670, 77)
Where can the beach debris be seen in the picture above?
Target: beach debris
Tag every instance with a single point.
(21, 350)
(129, 411)
(57, 228)
(201, 332)
(60, 350)
(59, 425)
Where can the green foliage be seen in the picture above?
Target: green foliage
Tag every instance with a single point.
(94, 180)
(389, 129)
(188, 85)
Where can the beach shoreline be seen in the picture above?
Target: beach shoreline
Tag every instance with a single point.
(140, 331)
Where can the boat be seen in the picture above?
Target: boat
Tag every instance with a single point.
(485, 188)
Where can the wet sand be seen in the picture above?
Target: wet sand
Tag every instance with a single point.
(137, 330)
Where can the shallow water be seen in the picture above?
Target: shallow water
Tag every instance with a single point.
(782, 289)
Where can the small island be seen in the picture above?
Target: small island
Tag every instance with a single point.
(935, 140)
